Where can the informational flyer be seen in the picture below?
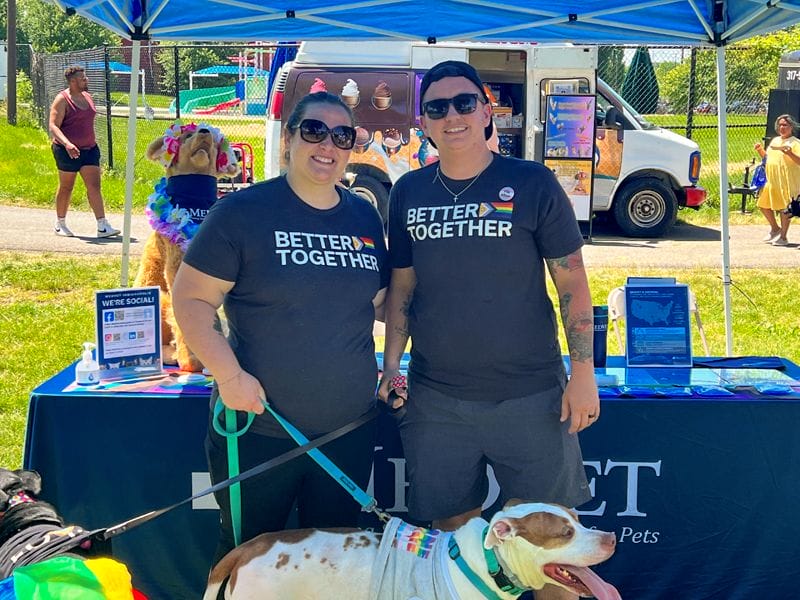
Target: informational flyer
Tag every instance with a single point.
(128, 332)
(575, 177)
(569, 148)
(569, 128)
(657, 326)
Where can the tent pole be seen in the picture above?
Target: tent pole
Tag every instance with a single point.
(722, 136)
(130, 162)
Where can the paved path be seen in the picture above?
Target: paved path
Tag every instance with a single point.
(31, 230)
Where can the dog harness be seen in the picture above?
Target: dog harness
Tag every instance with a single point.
(412, 563)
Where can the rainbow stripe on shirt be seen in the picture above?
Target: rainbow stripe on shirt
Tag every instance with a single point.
(419, 541)
(505, 208)
(368, 242)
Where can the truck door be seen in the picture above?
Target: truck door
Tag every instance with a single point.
(610, 136)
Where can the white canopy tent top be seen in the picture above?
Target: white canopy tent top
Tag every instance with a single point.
(684, 22)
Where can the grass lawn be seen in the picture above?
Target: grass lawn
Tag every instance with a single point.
(47, 312)
(38, 183)
(743, 132)
(154, 100)
(28, 176)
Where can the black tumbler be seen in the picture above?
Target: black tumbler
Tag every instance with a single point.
(600, 335)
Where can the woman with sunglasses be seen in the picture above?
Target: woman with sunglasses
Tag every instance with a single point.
(472, 240)
(298, 262)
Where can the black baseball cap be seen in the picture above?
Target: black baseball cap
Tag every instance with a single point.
(454, 68)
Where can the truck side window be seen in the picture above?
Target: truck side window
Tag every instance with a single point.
(607, 114)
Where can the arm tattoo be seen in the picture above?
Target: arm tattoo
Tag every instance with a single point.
(580, 331)
(570, 262)
(578, 328)
(405, 308)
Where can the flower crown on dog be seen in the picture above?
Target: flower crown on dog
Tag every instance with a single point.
(172, 144)
(171, 221)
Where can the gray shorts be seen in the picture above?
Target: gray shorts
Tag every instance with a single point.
(449, 442)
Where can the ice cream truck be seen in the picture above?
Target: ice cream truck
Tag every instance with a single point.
(610, 159)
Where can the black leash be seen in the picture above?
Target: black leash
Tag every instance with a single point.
(115, 530)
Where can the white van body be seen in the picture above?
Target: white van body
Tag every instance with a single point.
(642, 174)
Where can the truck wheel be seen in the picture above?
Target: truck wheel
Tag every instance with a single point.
(645, 207)
(374, 192)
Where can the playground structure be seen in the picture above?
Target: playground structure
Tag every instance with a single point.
(248, 96)
(244, 156)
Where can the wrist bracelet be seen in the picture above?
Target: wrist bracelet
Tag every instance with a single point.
(229, 379)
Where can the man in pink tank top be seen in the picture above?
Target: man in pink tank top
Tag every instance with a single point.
(75, 150)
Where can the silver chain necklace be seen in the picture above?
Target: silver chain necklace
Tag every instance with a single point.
(466, 187)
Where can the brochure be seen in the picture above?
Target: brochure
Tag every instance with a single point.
(657, 325)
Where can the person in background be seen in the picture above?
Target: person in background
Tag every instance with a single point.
(75, 150)
(783, 178)
(487, 384)
(300, 265)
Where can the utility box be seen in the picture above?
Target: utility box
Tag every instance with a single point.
(781, 102)
(789, 71)
(786, 98)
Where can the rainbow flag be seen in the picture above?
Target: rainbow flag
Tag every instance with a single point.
(368, 242)
(505, 208)
(68, 578)
(416, 540)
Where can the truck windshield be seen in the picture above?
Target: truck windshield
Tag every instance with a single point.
(605, 92)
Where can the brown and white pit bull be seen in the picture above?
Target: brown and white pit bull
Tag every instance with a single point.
(535, 544)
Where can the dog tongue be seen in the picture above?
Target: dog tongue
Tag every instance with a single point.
(602, 590)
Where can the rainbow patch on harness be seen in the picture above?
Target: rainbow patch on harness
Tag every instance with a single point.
(419, 541)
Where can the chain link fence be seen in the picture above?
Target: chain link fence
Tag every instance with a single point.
(226, 86)
(676, 88)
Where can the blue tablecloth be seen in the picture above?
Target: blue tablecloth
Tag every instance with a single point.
(700, 489)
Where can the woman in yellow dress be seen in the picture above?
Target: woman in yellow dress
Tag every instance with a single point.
(783, 178)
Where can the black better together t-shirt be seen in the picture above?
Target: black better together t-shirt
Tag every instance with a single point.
(300, 312)
(482, 325)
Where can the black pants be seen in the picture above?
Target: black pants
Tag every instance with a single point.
(267, 499)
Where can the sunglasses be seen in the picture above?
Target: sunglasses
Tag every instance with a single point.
(438, 109)
(314, 132)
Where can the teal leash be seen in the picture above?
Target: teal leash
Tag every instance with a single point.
(232, 435)
(235, 491)
(367, 502)
(495, 570)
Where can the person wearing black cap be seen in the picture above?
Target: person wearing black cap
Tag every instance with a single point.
(470, 240)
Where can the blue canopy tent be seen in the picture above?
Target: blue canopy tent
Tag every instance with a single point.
(686, 22)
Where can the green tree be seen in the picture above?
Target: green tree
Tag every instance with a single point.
(751, 71)
(49, 29)
(611, 66)
(640, 87)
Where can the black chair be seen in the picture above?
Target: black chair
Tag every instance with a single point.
(745, 190)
